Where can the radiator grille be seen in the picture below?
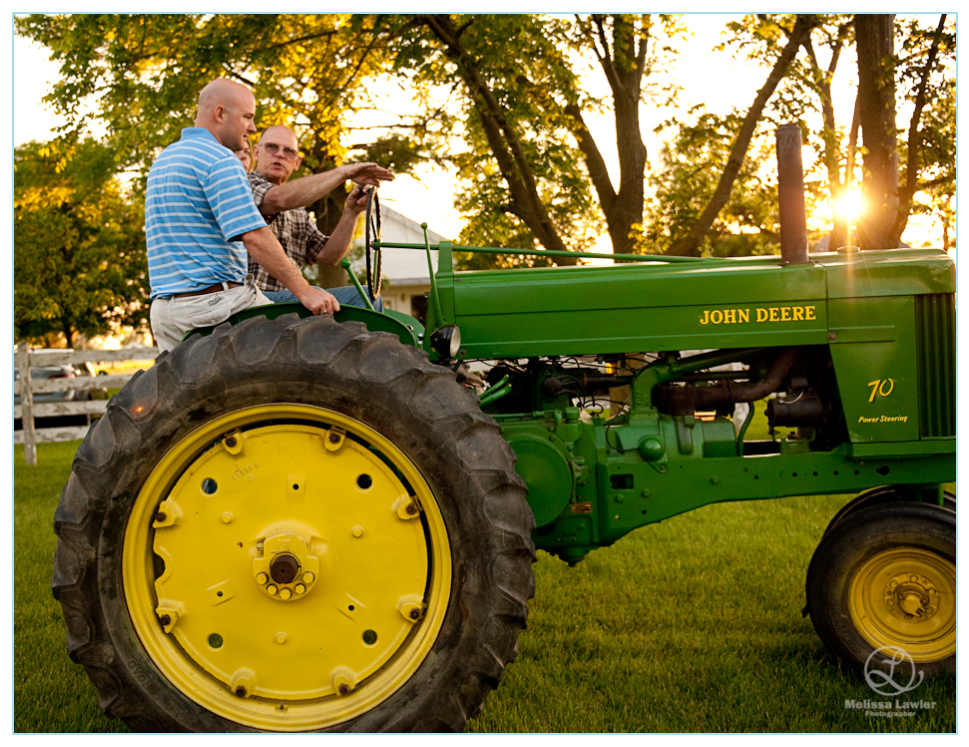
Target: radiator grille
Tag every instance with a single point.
(935, 317)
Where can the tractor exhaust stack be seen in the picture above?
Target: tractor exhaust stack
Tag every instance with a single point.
(790, 195)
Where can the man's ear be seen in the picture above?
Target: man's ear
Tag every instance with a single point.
(299, 160)
(219, 113)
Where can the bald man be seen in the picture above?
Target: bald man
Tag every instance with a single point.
(202, 225)
(282, 201)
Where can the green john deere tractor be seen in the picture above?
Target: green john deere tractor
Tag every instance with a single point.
(297, 523)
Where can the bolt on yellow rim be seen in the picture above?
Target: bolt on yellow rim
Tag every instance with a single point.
(286, 567)
(906, 597)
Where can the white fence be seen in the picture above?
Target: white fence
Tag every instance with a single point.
(28, 410)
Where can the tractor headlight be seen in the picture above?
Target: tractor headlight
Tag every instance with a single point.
(446, 341)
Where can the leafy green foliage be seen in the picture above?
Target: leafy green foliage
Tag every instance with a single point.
(926, 75)
(79, 244)
(145, 72)
(689, 166)
(694, 154)
(396, 152)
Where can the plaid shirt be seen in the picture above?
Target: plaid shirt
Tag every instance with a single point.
(296, 231)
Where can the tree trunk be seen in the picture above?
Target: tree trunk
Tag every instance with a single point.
(328, 210)
(841, 231)
(624, 66)
(331, 277)
(627, 209)
(876, 94)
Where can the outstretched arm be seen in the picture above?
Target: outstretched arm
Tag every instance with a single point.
(308, 189)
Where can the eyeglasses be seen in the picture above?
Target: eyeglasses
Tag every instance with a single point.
(272, 149)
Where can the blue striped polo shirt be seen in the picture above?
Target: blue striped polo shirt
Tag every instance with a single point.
(198, 200)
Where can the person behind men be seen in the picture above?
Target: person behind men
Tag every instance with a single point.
(282, 201)
(200, 223)
(245, 155)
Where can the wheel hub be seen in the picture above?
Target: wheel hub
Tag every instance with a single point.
(205, 588)
(285, 568)
(910, 595)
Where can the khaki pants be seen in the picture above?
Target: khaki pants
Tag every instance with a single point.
(171, 318)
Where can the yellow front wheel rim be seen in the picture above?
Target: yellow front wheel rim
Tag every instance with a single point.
(286, 567)
(906, 597)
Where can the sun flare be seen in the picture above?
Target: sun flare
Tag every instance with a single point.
(849, 205)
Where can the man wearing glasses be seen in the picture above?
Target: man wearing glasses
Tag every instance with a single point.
(282, 202)
(202, 226)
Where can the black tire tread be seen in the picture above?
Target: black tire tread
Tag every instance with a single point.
(228, 369)
(877, 496)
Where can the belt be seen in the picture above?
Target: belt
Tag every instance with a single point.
(205, 291)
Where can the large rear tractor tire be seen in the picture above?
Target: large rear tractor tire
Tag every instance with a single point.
(882, 587)
(294, 525)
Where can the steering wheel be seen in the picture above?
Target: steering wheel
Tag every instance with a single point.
(372, 237)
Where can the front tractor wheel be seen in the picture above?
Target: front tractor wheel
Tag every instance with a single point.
(883, 579)
(294, 525)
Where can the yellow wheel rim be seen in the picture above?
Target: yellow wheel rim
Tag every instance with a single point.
(906, 598)
(286, 567)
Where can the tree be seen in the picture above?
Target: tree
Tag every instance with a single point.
(690, 241)
(624, 59)
(899, 178)
(79, 244)
(713, 185)
(512, 126)
(688, 168)
(693, 153)
(929, 156)
(484, 56)
(835, 34)
(144, 73)
(522, 182)
(533, 171)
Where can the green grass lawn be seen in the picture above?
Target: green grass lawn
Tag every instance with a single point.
(690, 625)
(51, 693)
